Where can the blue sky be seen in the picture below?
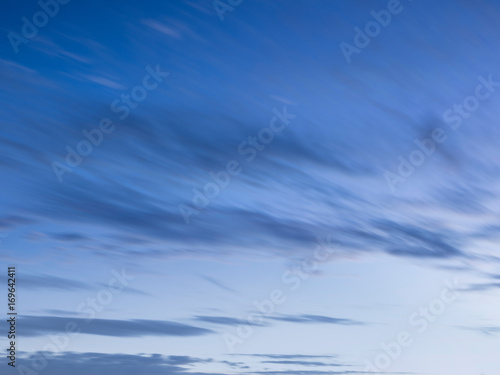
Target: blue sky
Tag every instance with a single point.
(266, 204)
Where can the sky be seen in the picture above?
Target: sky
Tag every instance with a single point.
(251, 187)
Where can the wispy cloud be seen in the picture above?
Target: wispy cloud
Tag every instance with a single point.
(43, 325)
(224, 320)
(318, 319)
(288, 356)
(303, 363)
(40, 282)
(218, 283)
(115, 364)
(163, 28)
(486, 330)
